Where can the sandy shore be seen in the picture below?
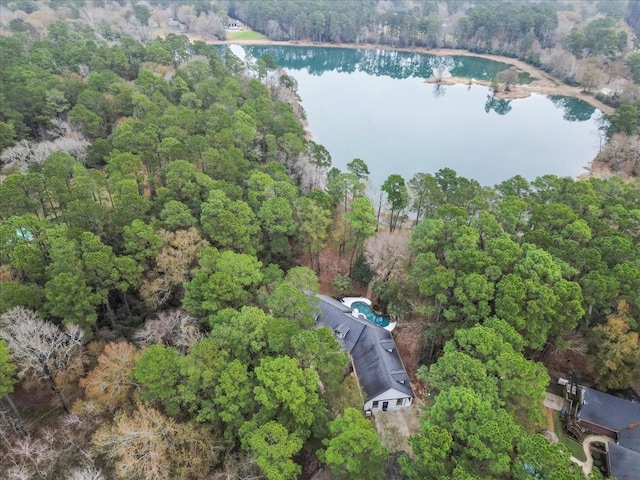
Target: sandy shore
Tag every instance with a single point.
(543, 83)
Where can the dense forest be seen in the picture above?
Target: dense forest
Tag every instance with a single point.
(587, 43)
(533, 31)
(164, 221)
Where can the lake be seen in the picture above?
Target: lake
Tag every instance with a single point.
(375, 105)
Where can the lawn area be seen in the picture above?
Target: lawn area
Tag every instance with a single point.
(573, 446)
(244, 35)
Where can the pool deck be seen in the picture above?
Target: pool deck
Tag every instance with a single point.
(350, 301)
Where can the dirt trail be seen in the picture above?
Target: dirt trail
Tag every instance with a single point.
(543, 83)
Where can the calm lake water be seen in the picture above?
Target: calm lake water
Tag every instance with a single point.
(375, 105)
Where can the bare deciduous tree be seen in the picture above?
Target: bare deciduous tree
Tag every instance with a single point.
(147, 444)
(238, 465)
(6, 15)
(590, 75)
(173, 265)
(42, 350)
(88, 15)
(159, 17)
(509, 77)
(630, 93)
(174, 328)
(19, 472)
(386, 253)
(86, 472)
(27, 153)
(34, 456)
(109, 384)
(136, 444)
(621, 154)
(274, 31)
(10, 425)
(186, 14)
(209, 24)
(308, 174)
(563, 64)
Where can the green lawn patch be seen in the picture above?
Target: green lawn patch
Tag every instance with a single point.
(556, 389)
(572, 445)
(244, 35)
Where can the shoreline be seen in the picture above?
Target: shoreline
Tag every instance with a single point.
(543, 82)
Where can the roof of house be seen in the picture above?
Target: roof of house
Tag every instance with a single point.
(337, 316)
(630, 438)
(621, 416)
(611, 412)
(624, 464)
(372, 348)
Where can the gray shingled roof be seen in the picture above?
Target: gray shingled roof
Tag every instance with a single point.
(608, 411)
(337, 316)
(372, 348)
(621, 416)
(624, 464)
(630, 438)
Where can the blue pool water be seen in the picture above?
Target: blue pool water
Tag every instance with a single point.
(370, 315)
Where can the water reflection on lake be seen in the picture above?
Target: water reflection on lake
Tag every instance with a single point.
(375, 105)
(377, 62)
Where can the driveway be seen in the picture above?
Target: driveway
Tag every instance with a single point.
(554, 402)
(395, 426)
(586, 446)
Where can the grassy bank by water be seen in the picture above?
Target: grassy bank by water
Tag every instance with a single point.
(244, 35)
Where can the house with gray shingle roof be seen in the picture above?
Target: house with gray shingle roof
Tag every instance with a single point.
(374, 356)
(616, 418)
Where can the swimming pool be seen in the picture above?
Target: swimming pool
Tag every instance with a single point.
(370, 315)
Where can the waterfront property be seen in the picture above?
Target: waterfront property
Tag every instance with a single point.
(374, 356)
(361, 307)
